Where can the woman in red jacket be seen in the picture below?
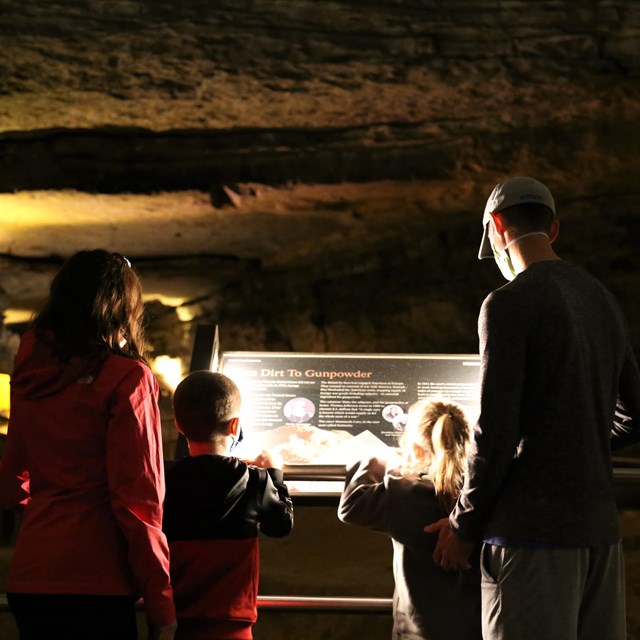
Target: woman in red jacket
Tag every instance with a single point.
(83, 458)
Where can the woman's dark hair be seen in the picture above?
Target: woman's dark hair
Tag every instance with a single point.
(94, 303)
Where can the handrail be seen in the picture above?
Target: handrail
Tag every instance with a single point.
(334, 472)
(325, 604)
(319, 484)
(325, 472)
(626, 474)
(300, 604)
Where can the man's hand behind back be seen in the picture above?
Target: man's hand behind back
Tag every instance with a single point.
(451, 552)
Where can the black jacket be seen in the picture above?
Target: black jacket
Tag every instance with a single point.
(214, 508)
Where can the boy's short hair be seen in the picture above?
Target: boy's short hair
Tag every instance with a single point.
(204, 403)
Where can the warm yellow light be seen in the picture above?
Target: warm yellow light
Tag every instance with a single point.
(31, 211)
(15, 316)
(167, 301)
(5, 380)
(168, 369)
(185, 314)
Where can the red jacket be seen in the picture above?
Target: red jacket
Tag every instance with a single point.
(214, 509)
(84, 456)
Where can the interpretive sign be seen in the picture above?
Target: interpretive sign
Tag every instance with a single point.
(330, 408)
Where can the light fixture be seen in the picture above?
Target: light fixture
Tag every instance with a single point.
(169, 370)
(5, 393)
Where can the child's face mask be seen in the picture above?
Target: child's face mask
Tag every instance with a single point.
(237, 440)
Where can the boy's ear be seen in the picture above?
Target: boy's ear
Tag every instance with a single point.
(178, 427)
(234, 423)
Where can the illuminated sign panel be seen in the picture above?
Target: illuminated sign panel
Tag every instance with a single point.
(321, 409)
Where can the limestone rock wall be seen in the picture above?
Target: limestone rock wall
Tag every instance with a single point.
(310, 176)
(195, 64)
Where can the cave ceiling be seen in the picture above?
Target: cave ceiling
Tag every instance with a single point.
(325, 154)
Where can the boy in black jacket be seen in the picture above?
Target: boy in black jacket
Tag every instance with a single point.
(214, 507)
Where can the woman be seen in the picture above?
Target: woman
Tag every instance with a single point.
(397, 499)
(83, 458)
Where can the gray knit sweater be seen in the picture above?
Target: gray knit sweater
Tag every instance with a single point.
(559, 387)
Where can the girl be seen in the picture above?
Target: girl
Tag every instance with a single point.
(397, 499)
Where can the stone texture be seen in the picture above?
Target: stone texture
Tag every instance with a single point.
(310, 177)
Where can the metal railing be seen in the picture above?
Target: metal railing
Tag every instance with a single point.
(625, 470)
(298, 604)
(329, 479)
(627, 479)
(314, 472)
(312, 604)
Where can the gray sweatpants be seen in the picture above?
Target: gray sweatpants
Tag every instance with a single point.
(553, 594)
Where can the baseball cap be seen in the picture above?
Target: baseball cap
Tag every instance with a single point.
(517, 190)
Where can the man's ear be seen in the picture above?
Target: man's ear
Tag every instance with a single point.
(233, 426)
(498, 222)
(554, 231)
(178, 426)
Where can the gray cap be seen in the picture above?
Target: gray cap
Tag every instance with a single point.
(517, 190)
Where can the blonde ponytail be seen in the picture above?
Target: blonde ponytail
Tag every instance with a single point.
(449, 439)
(441, 430)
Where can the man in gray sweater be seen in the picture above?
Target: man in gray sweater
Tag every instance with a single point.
(560, 388)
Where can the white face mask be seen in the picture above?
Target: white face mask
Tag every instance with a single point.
(503, 259)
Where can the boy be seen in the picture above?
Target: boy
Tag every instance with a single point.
(214, 507)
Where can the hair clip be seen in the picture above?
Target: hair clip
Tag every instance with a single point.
(124, 259)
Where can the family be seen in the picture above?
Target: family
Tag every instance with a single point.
(506, 529)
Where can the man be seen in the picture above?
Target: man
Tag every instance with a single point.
(559, 388)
